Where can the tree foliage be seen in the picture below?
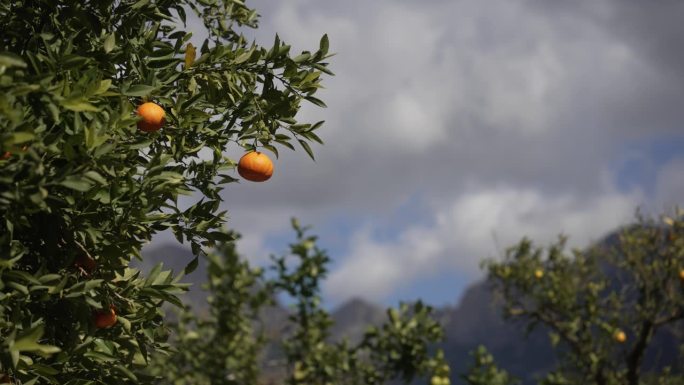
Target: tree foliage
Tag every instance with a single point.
(227, 347)
(82, 190)
(223, 347)
(602, 306)
(484, 371)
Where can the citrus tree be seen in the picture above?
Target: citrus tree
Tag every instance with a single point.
(483, 370)
(228, 347)
(602, 306)
(113, 128)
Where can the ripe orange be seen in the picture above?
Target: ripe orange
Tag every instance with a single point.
(86, 263)
(152, 117)
(105, 318)
(681, 274)
(255, 166)
(539, 273)
(8, 154)
(620, 336)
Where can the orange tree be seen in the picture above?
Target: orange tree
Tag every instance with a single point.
(604, 306)
(82, 188)
(229, 347)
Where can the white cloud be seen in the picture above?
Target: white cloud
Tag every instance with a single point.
(432, 98)
(464, 233)
(669, 191)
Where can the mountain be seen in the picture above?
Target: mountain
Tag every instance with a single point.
(353, 318)
(478, 320)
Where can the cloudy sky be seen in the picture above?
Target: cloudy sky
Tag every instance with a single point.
(456, 127)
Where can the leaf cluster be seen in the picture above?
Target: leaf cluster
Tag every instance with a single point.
(79, 182)
(228, 348)
(630, 286)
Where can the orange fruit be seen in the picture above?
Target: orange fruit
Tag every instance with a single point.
(86, 263)
(8, 155)
(105, 318)
(539, 273)
(255, 166)
(681, 274)
(620, 336)
(152, 117)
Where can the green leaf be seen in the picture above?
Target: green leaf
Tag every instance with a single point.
(43, 370)
(324, 44)
(78, 105)
(100, 356)
(126, 372)
(109, 43)
(302, 57)
(316, 101)
(307, 148)
(8, 59)
(244, 57)
(18, 138)
(76, 183)
(140, 4)
(95, 177)
(104, 86)
(323, 69)
(191, 266)
(73, 61)
(139, 90)
(152, 276)
(28, 342)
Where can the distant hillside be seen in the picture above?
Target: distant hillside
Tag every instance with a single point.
(477, 320)
(353, 318)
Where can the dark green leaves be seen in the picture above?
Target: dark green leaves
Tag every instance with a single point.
(9, 59)
(324, 45)
(192, 266)
(28, 342)
(306, 148)
(77, 183)
(83, 189)
(138, 90)
(78, 105)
